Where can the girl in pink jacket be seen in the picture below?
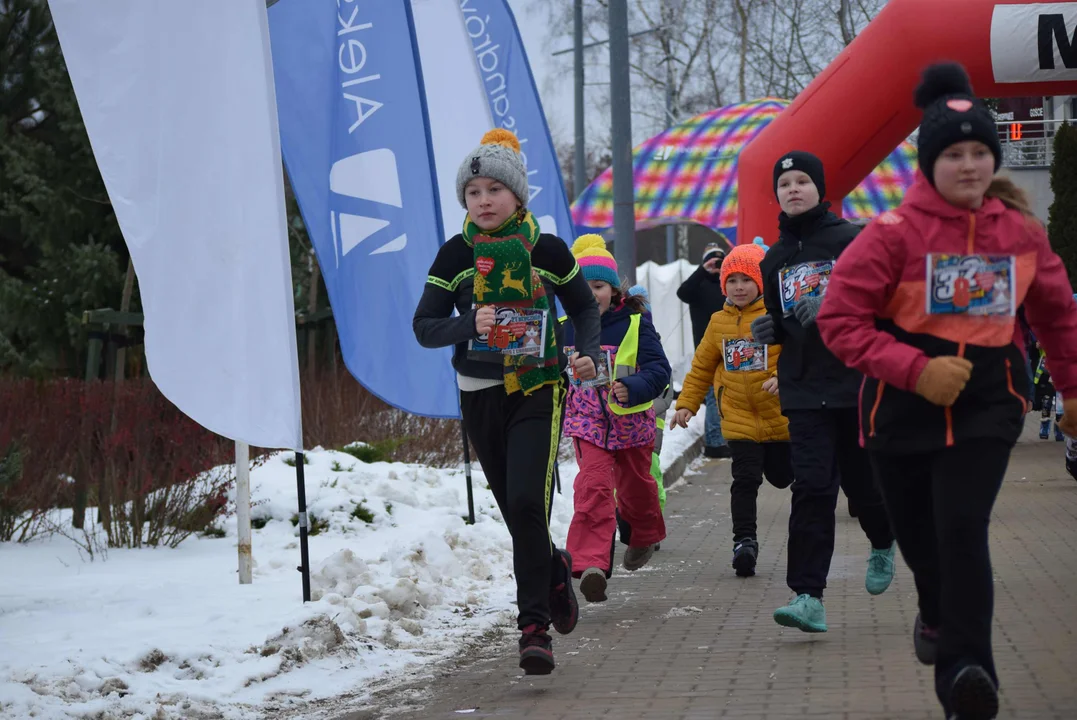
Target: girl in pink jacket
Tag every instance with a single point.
(923, 303)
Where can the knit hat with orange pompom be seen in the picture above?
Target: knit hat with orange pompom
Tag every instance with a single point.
(497, 157)
(744, 259)
(595, 260)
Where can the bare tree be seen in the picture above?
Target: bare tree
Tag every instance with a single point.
(744, 12)
(596, 163)
(702, 54)
(682, 56)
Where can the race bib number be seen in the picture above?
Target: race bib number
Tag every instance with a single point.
(803, 281)
(971, 285)
(604, 371)
(515, 332)
(744, 355)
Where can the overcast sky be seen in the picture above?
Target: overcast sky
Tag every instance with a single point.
(555, 86)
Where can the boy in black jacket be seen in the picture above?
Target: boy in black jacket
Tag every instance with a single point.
(819, 394)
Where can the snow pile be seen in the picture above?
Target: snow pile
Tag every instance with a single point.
(399, 579)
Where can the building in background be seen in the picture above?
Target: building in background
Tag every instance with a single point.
(1027, 127)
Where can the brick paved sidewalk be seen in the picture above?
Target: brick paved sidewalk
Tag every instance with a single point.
(685, 638)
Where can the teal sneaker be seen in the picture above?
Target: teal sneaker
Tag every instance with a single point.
(804, 613)
(880, 570)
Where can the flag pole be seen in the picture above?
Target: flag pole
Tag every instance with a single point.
(467, 477)
(243, 510)
(304, 554)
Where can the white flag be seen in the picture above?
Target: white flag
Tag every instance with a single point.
(178, 100)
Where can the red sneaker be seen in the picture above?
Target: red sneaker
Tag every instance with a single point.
(536, 651)
(564, 610)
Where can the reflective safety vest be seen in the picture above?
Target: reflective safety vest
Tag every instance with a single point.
(624, 365)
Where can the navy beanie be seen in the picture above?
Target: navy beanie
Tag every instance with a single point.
(807, 163)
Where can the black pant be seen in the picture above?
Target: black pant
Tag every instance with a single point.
(940, 506)
(515, 437)
(827, 456)
(751, 461)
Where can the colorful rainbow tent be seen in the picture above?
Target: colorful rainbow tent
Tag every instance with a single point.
(689, 174)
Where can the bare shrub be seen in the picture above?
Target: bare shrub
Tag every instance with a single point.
(338, 411)
(124, 458)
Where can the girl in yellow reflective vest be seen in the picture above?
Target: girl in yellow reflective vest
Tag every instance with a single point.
(613, 429)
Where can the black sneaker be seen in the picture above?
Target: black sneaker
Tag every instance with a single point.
(536, 651)
(973, 695)
(564, 610)
(744, 556)
(925, 641)
(1071, 467)
(717, 452)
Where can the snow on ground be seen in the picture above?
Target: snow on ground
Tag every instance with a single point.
(159, 633)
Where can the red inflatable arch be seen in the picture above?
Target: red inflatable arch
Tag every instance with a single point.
(858, 109)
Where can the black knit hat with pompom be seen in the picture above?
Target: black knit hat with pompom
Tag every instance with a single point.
(952, 114)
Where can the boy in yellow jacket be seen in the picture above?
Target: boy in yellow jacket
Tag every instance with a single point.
(745, 378)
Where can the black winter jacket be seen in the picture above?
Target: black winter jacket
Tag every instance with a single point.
(449, 287)
(809, 376)
(702, 292)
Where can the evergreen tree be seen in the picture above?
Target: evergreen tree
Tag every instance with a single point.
(61, 251)
(1062, 220)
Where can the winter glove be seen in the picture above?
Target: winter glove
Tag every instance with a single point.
(1068, 423)
(763, 330)
(807, 309)
(943, 379)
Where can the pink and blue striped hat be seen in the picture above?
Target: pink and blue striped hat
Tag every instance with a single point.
(595, 260)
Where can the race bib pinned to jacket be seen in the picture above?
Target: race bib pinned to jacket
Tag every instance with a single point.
(744, 355)
(983, 285)
(805, 280)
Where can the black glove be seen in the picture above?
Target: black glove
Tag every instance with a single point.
(807, 309)
(763, 330)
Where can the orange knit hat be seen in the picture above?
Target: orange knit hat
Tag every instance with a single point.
(744, 259)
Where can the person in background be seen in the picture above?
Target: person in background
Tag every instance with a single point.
(702, 293)
(924, 304)
(1047, 400)
(662, 404)
(818, 394)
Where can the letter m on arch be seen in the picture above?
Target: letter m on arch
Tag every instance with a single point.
(860, 108)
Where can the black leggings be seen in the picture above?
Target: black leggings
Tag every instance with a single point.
(515, 437)
(751, 461)
(827, 457)
(939, 506)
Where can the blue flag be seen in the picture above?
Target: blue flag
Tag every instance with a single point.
(515, 105)
(356, 143)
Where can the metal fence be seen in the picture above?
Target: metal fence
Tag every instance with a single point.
(1029, 143)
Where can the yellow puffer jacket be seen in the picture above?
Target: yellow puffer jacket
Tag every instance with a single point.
(748, 411)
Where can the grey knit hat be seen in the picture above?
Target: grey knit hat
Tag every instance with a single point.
(497, 157)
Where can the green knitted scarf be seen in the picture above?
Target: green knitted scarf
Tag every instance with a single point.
(504, 277)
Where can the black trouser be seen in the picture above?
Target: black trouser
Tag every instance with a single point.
(827, 456)
(940, 506)
(515, 437)
(751, 461)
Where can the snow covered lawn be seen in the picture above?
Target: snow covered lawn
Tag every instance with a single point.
(399, 579)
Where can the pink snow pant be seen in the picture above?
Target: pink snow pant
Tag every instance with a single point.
(594, 521)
